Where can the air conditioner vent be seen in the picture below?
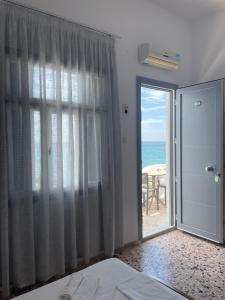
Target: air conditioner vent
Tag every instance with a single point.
(158, 58)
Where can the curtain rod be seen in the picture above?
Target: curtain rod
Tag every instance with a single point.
(62, 18)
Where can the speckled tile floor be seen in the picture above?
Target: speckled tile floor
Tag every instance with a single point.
(184, 262)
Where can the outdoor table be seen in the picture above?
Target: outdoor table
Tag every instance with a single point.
(154, 171)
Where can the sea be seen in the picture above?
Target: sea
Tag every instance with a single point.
(153, 153)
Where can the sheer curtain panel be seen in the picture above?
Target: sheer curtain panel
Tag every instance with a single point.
(60, 156)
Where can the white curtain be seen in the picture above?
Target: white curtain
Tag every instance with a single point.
(60, 157)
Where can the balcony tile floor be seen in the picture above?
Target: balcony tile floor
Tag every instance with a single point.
(155, 220)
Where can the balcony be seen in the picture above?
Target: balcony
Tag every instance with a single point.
(154, 199)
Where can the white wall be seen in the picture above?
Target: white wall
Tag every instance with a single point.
(208, 48)
(136, 21)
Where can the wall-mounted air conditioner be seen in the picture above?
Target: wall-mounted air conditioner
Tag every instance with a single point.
(158, 58)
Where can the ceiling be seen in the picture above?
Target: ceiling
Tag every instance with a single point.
(192, 9)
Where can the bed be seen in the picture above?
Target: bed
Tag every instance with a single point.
(111, 273)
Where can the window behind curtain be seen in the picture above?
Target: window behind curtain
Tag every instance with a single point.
(59, 98)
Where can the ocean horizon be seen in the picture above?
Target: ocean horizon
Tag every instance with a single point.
(153, 153)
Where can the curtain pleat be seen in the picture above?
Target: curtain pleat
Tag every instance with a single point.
(4, 212)
(60, 147)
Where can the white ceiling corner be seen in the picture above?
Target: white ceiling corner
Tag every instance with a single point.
(192, 9)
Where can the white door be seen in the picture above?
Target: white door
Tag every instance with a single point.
(199, 160)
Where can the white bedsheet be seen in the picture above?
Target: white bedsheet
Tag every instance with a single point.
(141, 287)
(111, 273)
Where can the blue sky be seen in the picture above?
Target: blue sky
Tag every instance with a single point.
(153, 114)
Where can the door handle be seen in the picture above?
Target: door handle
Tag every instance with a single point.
(209, 169)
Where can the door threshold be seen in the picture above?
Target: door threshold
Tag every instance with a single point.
(170, 228)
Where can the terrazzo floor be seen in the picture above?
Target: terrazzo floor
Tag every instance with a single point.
(182, 261)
